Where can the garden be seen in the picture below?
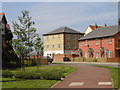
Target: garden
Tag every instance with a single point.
(45, 77)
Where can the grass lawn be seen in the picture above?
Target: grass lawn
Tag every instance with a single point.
(115, 74)
(36, 83)
(22, 83)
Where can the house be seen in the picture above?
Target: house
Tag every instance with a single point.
(101, 42)
(90, 28)
(7, 55)
(60, 41)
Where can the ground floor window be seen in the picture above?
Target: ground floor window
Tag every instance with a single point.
(86, 54)
(97, 54)
(110, 54)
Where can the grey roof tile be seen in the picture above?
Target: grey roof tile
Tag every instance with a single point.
(63, 30)
(102, 32)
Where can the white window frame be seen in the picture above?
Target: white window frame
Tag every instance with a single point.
(110, 40)
(68, 45)
(74, 37)
(80, 43)
(52, 36)
(47, 37)
(74, 45)
(97, 54)
(110, 54)
(58, 36)
(58, 45)
(47, 46)
(97, 41)
(91, 42)
(102, 40)
(86, 42)
(68, 36)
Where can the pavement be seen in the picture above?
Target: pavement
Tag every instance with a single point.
(87, 77)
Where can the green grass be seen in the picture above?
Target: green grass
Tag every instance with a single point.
(21, 83)
(36, 83)
(115, 74)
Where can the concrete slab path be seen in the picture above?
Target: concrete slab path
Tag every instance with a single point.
(87, 77)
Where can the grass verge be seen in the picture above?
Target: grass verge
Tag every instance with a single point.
(36, 83)
(115, 74)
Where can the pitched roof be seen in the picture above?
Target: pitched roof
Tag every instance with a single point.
(102, 32)
(63, 30)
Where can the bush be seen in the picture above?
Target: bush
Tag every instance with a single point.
(27, 75)
(55, 75)
(7, 73)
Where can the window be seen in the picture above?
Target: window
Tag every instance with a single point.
(53, 36)
(90, 42)
(102, 40)
(110, 40)
(68, 45)
(58, 45)
(74, 45)
(97, 42)
(59, 36)
(79, 36)
(110, 54)
(74, 37)
(47, 46)
(52, 45)
(68, 36)
(97, 54)
(47, 37)
(80, 43)
(86, 42)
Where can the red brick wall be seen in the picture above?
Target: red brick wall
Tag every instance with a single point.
(96, 48)
(59, 57)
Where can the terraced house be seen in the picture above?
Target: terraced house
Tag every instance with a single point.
(60, 41)
(101, 42)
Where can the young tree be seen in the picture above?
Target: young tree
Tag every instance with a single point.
(25, 34)
(38, 46)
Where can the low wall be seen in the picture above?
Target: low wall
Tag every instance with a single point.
(115, 59)
(78, 59)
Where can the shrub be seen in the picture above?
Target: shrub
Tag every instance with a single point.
(7, 73)
(55, 75)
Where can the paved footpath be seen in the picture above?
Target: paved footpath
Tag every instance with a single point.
(87, 77)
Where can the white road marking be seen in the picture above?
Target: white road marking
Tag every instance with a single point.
(76, 84)
(104, 83)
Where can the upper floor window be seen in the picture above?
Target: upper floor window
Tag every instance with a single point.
(110, 40)
(47, 46)
(58, 35)
(90, 42)
(97, 42)
(74, 37)
(80, 43)
(102, 40)
(68, 45)
(53, 36)
(86, 42)
(58, 45)
(47, 37)
(68, 36)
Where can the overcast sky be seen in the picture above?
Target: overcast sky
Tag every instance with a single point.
(49, 16)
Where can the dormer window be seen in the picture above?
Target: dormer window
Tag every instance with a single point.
(110, 40)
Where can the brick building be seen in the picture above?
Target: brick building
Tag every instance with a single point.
(101, 42)
(7, 56)
(60, 41)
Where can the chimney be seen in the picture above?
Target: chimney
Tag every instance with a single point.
(105, 25)
(96, 26)
(118, 21)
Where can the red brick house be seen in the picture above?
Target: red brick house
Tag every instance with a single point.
(101, 42)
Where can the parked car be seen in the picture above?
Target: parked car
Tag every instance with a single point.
(48, 58)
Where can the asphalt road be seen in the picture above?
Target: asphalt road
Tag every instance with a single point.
(95, 63)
